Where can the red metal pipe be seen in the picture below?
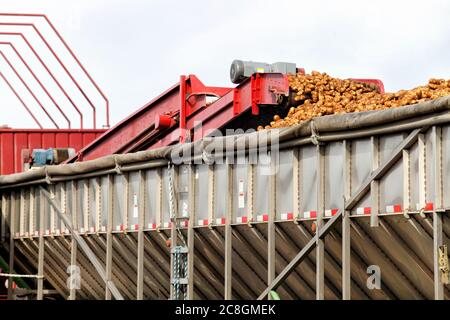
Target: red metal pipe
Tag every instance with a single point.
(48, 70)
(38, 81)
(60, 62)
(28, 88)
(20, 99)
(70, 51)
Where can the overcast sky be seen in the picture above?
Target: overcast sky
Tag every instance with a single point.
(136, 49)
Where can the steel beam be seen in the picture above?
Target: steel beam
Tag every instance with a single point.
(140, 245)
(12, 228)
(42, 219)
(158, 200)
(320, 234)
(73, 242)
(91, 256)
(375, 184)
(271, 245)
(320, 244)
(86, 206)
(406, 181)
(383, 168)
(352, 201)
(346, 242)
(21, 212)
(126, 200)
(250, 191)
(191, 230)
(422, 170)
(32, 217)
(437, 211)
(228, 272)
(173, 207)
(122, 269)
(109, 227)
(296, 178)
(211, 194)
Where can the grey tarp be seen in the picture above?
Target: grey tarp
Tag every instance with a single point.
(414, 115)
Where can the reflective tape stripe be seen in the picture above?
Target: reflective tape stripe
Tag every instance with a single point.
(310, 214)
(363, 210)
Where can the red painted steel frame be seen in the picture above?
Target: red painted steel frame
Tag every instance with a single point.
(29, 89)
(70, 51)
(20, 99)
(139, 127)
(13, 141)
(37, 80)
(60, 62)
(140, 130)
(49, 72)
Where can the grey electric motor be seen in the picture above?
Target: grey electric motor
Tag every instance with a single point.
(240, 70)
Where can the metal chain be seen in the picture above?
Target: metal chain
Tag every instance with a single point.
(185, 275)
(171, 194)
(179, 255)
(176, 274)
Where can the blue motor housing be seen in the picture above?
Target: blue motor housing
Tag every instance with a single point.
(52, 156)
(41, 157)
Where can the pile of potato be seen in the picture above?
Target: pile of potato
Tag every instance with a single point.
(319, 95)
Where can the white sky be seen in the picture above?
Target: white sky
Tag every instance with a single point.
(136, 49)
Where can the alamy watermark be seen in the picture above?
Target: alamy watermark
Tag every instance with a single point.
(74, 279)
(374, 279)
(233, 146)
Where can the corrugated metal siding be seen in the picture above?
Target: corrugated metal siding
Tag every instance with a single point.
(13, 141)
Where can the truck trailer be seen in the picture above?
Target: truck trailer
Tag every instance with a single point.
(345, 206)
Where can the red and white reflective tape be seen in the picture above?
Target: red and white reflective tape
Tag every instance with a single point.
(92, 229)
(220, 221)
(395, 208)
(151, 226)
(36, 233)
(26, 234)
(184, 223)
(47, 232)
(57, 232)
(167, 225)
(331, 212)
(17, 234)
(203, 222)
(242, 219)
(363, 210)
(134, 227)
(428, 207)
(120, 227)
(287, 216)
(310, 214)
(262, 218)
(103, 228)
(81, 230)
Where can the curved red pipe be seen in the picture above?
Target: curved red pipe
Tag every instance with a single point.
(48, 70)
(38, 81)
(70, 51)
(20, 99)
(28, 88)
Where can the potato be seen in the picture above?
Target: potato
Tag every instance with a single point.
(322, 94)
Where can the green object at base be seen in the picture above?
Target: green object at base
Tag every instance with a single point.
(274, 295)
(4, 266)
